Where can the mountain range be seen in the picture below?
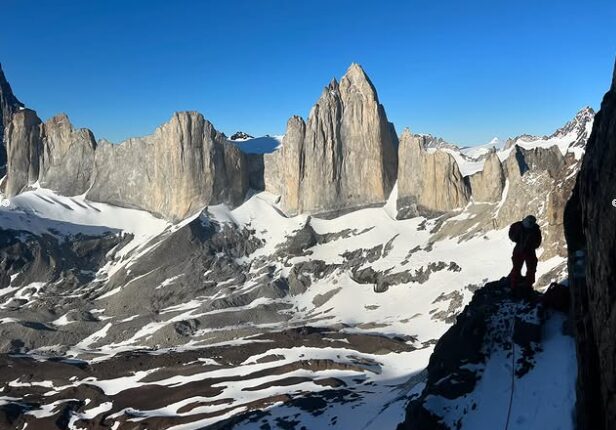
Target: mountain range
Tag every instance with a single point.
(188, 280)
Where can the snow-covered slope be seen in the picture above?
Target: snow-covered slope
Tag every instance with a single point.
(504, 364)
(258, 145)
(571, 138)
(44, 212)
(263, 312)
(482, 150)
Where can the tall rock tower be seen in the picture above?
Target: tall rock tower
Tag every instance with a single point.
(344, 156)
(428, 183)
(8, 106)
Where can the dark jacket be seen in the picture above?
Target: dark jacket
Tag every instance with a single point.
(526, 239)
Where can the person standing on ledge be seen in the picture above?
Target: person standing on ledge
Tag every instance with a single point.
(527, 237)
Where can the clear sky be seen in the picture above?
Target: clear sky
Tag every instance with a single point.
(463, 70)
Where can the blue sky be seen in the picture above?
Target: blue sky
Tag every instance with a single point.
(463, 70)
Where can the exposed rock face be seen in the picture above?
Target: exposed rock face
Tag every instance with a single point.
(489, 328)
(185, 165)
(590, 224)
(581, 125)
(272, 172)
(487, 185)
(539, 182)
(343, 157)
(428, 183)
(8, 105)
(430, 141)
(67, 159)
(291, 165)
(53, 153)
(24, 146)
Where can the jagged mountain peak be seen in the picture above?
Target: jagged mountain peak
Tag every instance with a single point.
(578, 128)
(431, 141)
(8, 105)
(61, 120)
(495, 142)
(240, 135)
(356, 71)
(186, 114)
(406, 133)
(578, 122)
(356, 80)
(613, 87)
(574, 133)
(345, 152)
(585, 111)
(6, 92)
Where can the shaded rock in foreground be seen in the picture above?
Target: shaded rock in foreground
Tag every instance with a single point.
(490, 322)
(8, 106)
(590, 226)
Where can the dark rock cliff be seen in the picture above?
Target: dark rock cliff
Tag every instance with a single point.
(8, 105)
(494, 327)
(590, 228)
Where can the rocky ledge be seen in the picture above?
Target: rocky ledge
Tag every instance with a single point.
(498, 343)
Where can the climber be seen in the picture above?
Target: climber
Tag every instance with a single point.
(527, 237)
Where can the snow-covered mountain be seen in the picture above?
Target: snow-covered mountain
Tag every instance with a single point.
(240, 136)
(479, 151)
(185, 280)
(572, 137)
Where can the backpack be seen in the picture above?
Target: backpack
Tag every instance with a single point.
(526, 238)
(515, 231)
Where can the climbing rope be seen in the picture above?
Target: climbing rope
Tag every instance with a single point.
(512, 371)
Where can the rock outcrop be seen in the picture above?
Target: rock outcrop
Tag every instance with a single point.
(494, 331)
(290, 165)
(185, 165)
(429, 183)
(67, 158)
(590, 225)
(53, 153)
(539, 182)
(487, 185)
(343, 157)
(8, 106)
(24, 146)
(434, 142)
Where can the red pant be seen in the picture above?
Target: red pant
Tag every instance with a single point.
(518, 258)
